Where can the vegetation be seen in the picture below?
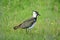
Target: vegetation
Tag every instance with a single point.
(14, 12)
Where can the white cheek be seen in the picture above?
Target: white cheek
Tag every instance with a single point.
(34, 14)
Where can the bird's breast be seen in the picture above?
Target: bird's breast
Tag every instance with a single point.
(32, 25)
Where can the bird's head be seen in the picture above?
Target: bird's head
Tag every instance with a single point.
(35, 14)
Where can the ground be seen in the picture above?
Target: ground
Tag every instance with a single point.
(14, 12)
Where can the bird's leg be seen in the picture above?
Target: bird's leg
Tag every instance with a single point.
(29, 31)
(26, 30)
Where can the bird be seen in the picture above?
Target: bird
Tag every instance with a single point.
(29, 23)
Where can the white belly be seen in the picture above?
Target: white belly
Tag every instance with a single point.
(32, 26)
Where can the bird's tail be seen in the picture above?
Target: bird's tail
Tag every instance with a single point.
(16, 27)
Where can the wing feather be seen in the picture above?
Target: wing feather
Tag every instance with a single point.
(27, 23)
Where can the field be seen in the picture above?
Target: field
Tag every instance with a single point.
(14, 12)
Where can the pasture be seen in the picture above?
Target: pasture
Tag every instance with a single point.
(14, 12)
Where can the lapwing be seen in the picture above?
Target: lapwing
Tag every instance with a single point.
(29, 23)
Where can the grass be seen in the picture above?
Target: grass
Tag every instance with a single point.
(14, 12)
